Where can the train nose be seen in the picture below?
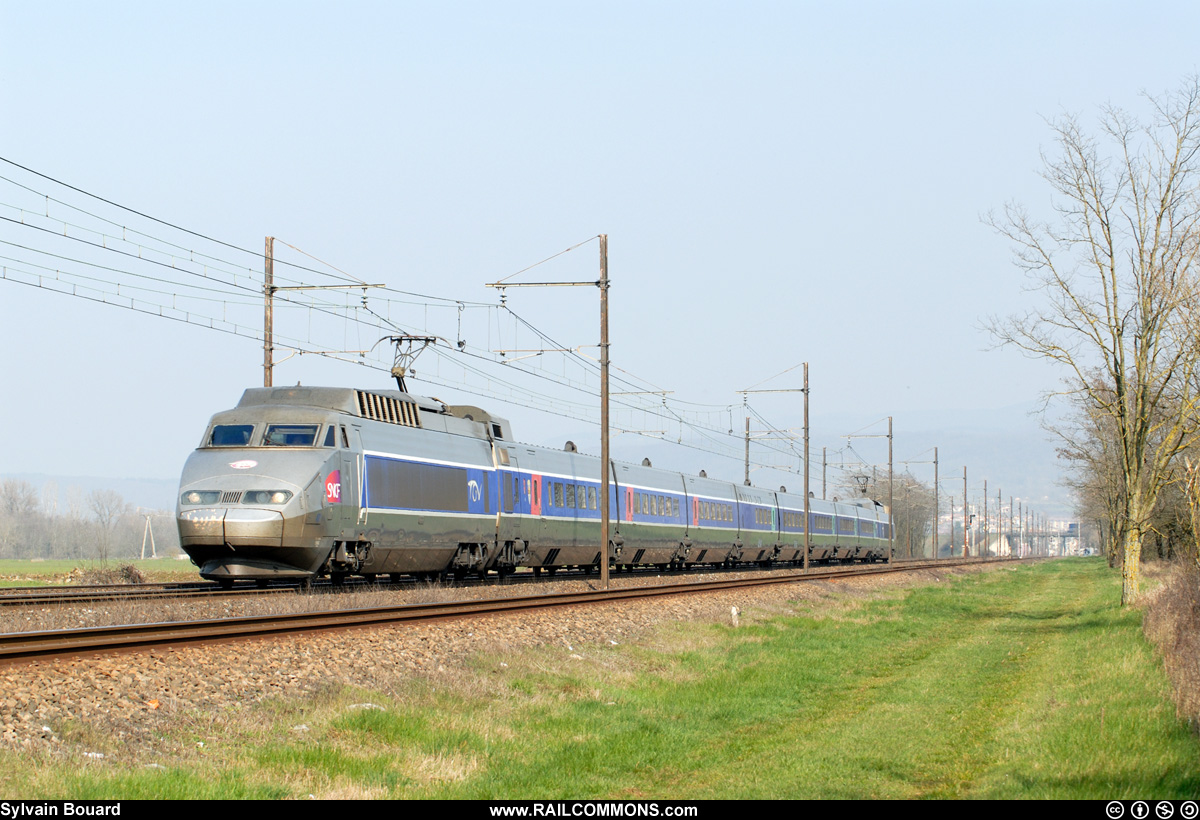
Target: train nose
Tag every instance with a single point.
(235, 527)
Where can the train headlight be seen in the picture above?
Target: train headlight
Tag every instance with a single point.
(267, 497)
(193, 497)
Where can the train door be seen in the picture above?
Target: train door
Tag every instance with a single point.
(342, 502)
(512, 502)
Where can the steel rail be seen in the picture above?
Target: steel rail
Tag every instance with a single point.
(110, 593)
(17, 646)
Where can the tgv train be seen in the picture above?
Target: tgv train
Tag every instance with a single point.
(298, 482)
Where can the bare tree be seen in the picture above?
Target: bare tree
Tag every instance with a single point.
(1090, 450)
(1118, 272)
(108, 506)
(17, 497)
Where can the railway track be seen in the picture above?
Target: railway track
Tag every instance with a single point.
(102, 593)
(25, 646)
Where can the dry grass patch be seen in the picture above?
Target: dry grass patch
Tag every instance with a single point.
(1172, 623)
(440, 768)
(353, 791)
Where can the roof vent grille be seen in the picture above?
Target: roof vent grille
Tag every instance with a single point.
(385, 408)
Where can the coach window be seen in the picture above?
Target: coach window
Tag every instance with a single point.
(536, 493)
(290, 435)
(591, 498)
(231, 435)
(570, 495)
(558, 494)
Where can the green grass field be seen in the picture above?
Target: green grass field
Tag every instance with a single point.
(1018, 683)
(24, 572)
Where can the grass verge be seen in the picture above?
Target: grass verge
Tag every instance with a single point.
(1024, 682)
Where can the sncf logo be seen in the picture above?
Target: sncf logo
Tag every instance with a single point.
(333, 487)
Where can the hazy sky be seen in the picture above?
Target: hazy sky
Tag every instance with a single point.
(780, 182)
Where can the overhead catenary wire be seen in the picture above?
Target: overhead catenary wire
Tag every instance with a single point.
(190, 267)
(257, 254)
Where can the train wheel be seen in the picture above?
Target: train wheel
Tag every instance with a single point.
(371, 578)
(537, 572)
(262, 583)
(551, 570)
(338, 579)
(306, 584)
(226, 583)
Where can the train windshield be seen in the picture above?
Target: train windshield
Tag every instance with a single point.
(231, 435)
(290, 435)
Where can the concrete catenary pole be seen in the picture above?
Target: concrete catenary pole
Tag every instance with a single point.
(966, 513)
(268, 318)
(891, 501)
(984, 551)
(935, 503)
(605, 467)
(807, 493)
(746, 478)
